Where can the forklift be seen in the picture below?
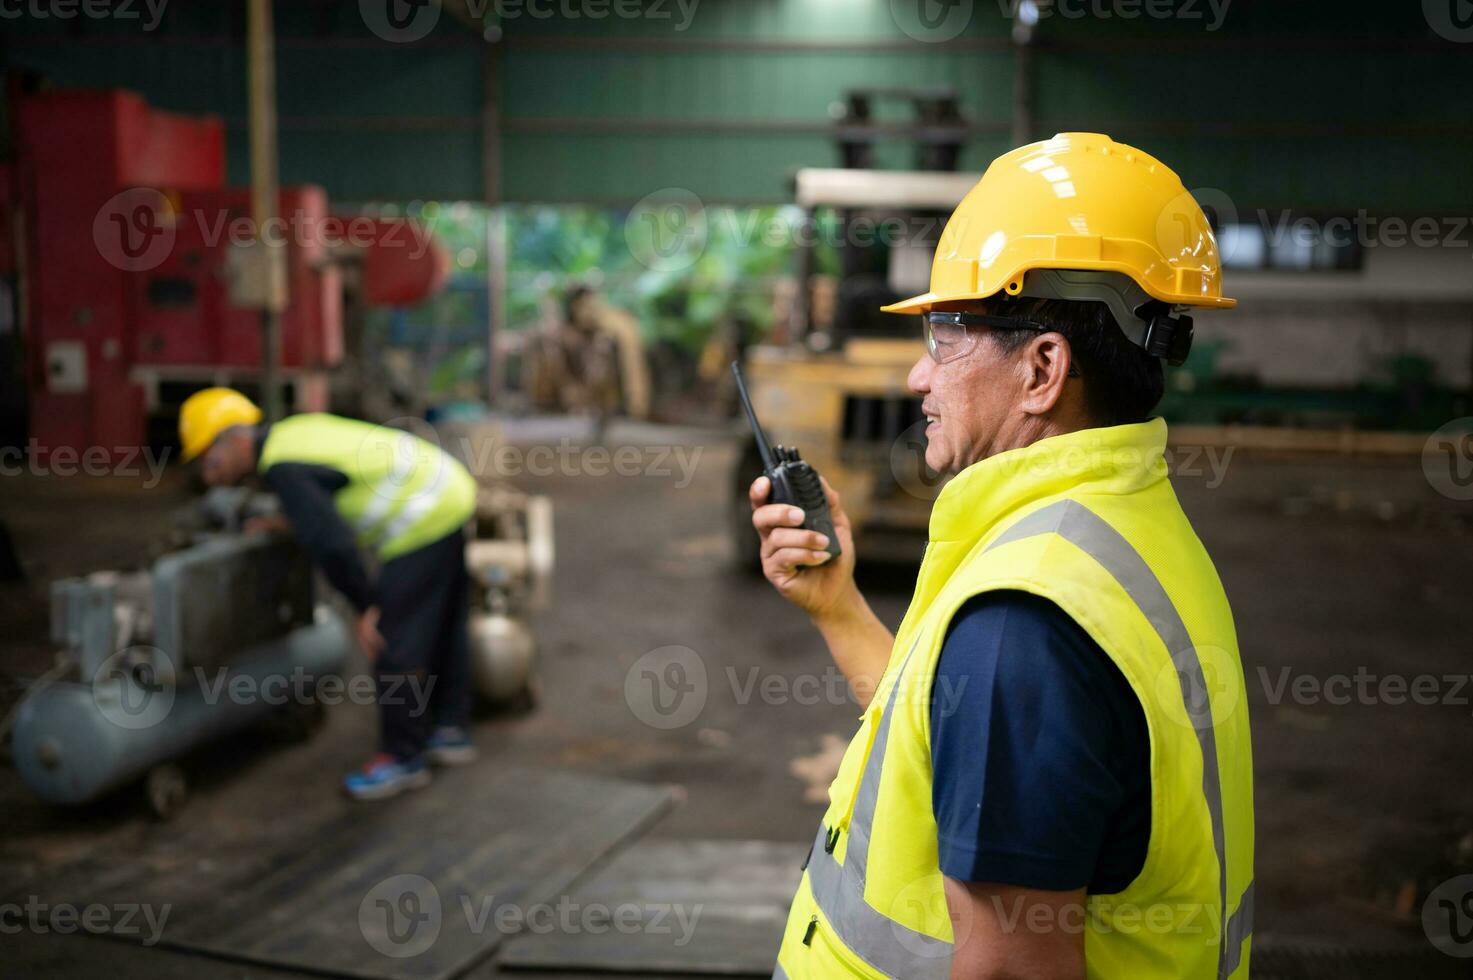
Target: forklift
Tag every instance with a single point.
(834, 384)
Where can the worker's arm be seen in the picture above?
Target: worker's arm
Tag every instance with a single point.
(1041, 784)
(1005, 932)
(796, 565)
(306, 491)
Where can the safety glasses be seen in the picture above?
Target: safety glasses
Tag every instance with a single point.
(953, 335)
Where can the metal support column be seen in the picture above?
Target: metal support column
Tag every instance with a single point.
(491, 66)
(261, 55)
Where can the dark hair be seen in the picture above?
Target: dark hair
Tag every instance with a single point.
(1122, 383)
(572, 296)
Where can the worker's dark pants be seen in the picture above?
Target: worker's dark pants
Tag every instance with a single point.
(423, 598)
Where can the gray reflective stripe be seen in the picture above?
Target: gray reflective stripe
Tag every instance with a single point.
(391, 511)
(376, 511)
(856, 854)
(778, 973)
(418, 504)
(385, 493)
(1239, 928)
(1092, 535)
(893, 949)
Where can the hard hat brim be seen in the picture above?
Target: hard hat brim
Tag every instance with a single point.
(916, 304)
(925, 301)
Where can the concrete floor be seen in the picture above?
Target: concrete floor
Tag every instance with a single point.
(1331, 566)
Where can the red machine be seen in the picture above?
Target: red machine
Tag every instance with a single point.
(126, 250)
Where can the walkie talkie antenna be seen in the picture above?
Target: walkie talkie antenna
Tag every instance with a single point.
(762, 447)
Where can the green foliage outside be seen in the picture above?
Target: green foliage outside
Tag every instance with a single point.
(729, 271)
(448, 331)
(726, 273)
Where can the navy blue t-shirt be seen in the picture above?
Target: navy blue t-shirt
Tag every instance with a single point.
(1040, 752)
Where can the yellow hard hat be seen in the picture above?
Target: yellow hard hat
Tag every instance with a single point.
(205, 414)
(1078, 201)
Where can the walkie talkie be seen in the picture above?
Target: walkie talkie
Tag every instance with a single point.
(793, 481)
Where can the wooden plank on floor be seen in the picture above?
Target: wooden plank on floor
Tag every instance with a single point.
(424, 886)
(705, 907)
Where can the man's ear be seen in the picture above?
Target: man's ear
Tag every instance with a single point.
(1045, 363)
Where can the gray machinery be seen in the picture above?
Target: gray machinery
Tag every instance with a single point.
(207, 641)
(216, 636)
(510, 557)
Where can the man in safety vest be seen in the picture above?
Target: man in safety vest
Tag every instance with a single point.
(343, 484)
(1053, 775)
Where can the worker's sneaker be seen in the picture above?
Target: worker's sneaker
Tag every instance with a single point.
(386, 776)
(450, 745)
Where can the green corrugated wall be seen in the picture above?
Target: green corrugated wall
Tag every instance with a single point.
(1317, 105)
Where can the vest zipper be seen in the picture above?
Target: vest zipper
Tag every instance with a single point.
(812, 928)
(873, 716)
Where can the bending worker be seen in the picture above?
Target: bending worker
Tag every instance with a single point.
(341, 480)
(1053, 775)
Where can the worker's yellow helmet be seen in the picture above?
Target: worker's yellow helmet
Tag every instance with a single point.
(205, 414)
(1079, 201)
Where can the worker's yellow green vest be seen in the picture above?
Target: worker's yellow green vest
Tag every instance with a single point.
(402, 493)
(1089, 521)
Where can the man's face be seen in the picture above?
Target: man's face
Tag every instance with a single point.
(230, 459)
(966, 402)
(581, 311)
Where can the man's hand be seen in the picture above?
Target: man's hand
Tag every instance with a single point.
(366, 630)
(824, 588)
(794, 560)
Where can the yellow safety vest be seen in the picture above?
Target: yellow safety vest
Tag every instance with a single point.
(403, 492)
(1089, 521)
